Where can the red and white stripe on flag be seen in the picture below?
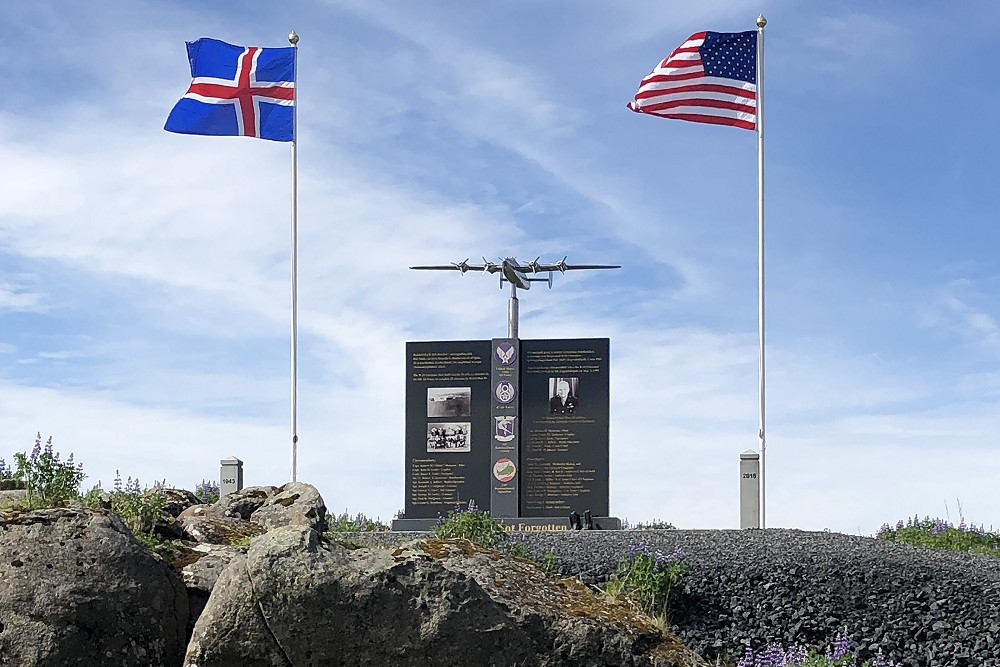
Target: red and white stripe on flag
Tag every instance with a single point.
(679, 86)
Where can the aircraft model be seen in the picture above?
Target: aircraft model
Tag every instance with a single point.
(515, 273)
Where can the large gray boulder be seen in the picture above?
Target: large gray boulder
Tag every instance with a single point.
(77, 589)
(298, 600)
(294, 504)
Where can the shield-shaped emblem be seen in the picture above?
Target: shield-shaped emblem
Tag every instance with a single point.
(504, 431)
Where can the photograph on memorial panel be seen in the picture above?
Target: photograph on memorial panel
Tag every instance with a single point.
(449, 401)
(564, 396)
(449, 437)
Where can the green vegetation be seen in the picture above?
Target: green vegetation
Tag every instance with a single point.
(550, 561)
(138, 508)
(48, 481)
(207, 491)
(51, 482)
(648, 580)
(938, 533)
(359, 523)
(655, 524)
(470, 523)
(241, 542)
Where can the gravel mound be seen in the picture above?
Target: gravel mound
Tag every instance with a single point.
(918, 607)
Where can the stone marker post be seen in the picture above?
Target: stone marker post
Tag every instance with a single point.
(749, 489)
(231, 477)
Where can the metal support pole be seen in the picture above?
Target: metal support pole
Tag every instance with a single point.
(512, 312)
(293, 39)
(762, 435)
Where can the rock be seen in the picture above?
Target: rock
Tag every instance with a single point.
(298, 600)
(12, 496)
(200, 566)
(203, 523)
(77, 589)
(294, 504)
(253, 511)
(245, 502)
(178, 500)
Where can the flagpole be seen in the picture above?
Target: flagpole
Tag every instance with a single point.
(761, 22)
(293, 39)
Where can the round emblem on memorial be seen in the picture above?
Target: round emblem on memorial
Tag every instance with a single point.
(505, 391)
(504, 470)
(505, 353)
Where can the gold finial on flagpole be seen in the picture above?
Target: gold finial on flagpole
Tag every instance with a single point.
(293, 39)
(761, 21)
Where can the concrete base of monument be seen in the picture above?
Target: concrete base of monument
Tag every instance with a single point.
(517, 523)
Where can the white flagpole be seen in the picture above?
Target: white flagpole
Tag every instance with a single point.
(761, 22)
(293, 39)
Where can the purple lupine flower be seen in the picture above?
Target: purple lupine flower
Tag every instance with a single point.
(36, 451)
(636, 549)
(747, 660)
(48, 447)
(796, 655)
(207, 489)
(4, 472)
(841, 647)
(899, 525)
(132, 486)
(117, 487)
(774, 656)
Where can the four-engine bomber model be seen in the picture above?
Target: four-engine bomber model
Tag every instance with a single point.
(517, 274)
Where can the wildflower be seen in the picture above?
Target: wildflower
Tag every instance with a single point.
(841, 647)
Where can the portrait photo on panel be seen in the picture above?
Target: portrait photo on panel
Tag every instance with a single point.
(449, 401)
(564, 397)
(449, 437)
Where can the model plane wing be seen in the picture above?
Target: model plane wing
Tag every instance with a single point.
(571, 267)
(463, 266)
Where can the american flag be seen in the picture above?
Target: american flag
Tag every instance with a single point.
(710, 78)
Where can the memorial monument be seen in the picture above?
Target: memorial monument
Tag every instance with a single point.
(519, 427)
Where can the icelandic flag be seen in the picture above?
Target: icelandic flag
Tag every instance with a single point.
(244, 91)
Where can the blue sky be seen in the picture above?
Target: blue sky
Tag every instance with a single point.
(144, 275)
